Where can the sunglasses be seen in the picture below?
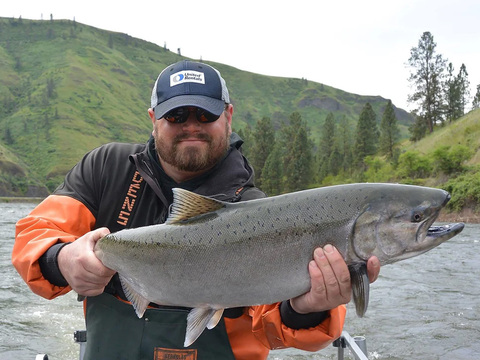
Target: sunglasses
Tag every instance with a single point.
(181, 114)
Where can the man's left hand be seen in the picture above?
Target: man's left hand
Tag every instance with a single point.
(330, 281)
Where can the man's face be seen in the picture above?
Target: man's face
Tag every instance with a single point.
(192, 147)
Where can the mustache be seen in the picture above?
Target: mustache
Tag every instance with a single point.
(181, 137)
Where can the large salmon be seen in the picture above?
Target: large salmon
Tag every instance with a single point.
(211, 255)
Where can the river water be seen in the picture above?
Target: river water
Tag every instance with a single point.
(422, 308)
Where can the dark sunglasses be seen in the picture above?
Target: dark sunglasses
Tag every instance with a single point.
(181, 114)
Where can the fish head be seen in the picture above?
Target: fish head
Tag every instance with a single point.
(398, 224)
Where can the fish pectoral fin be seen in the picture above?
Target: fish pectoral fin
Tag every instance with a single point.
(187, 205)
(197, 320)
(360, 287)
(139, 303)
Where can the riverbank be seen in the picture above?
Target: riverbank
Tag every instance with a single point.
(466, 215)
(19, 199)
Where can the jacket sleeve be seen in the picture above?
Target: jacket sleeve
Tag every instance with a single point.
(48, 224)
(268, 328)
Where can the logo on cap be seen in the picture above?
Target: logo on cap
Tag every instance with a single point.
(187, 76)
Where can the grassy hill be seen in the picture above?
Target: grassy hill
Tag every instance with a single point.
(66, 88)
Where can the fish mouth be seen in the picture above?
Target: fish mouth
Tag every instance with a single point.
(444, 232)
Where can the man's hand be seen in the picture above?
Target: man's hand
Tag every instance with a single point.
(78, 264)
(330, 281)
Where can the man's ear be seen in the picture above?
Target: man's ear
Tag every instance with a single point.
(151, 113)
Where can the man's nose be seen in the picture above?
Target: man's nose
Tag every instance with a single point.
(192, 121)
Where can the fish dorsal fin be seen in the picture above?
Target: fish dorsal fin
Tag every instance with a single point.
(139, 303)
(197, 320)
(187, 205)
(360, 287)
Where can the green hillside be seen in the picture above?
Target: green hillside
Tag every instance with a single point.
(66, 88)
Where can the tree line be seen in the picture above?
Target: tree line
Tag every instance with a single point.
(286, 159)
(440, 95)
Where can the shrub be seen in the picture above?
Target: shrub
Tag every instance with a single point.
(450, 160)
(411, 164)
(465, 191)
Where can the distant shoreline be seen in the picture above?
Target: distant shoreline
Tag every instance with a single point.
(20, 199)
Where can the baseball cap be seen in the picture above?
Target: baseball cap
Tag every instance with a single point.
(189, 83)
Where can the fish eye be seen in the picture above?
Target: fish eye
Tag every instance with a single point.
(417, 216)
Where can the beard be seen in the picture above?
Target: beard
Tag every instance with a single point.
(192, 158)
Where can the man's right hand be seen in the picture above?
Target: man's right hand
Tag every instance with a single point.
(78, 264)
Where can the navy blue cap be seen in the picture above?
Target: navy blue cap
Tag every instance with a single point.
(189, 83)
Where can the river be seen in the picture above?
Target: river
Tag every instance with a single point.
(422, 308)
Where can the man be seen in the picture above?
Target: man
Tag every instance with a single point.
(120, 186)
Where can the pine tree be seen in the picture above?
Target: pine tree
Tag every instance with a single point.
(327, 145)
(476, 99)
(248, 141)
(427, 77)
(264, 140)
(298, 169)
(345, 144)
(464, 89)
(418, 129)
(366, 137)
(273, 172)
(389, 132)
(452, 95)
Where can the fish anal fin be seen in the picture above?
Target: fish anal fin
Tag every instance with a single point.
(187, 205)
(215, 319)
(360, 287)
(197, 320)
(139, 303)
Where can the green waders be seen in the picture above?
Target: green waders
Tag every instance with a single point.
(115, 332)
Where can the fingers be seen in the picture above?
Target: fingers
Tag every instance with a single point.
(330, 282)
(84, 272)
(373, 268)
(93, 265)
(336, 277)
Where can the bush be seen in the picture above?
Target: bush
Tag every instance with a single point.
(378, 170)
(411, 164)
(465, 191)
(450, 160)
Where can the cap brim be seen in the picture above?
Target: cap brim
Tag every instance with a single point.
(214, 106)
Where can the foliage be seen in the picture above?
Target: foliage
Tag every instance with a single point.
(66, 88)
(450, 160)
(378, 170)
(411, 164)
(298, 155)
(476, 99)
(465, 191)
(264, 142)
(326, 147)
(427, 76)
(366, 136)
(452, 96)
(272, 181)
(389, 133)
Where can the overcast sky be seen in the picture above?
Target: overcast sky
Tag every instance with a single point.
(357, 46)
